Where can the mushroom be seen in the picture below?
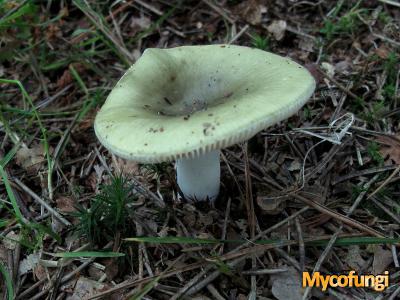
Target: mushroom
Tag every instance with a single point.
(187, 103)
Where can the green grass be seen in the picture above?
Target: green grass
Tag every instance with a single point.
(347, 24)
(373, 152)
(29, 102)
(375, 112)
(8, 282)
(30, 114)
(108, 213)
(391, 66)
(27, 226)
(16, 17)
(260, 42)
(19, 20)
(88, 254)
(17, 212)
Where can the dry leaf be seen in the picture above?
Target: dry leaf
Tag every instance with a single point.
(40, 272)
(205, 220)
(328, 68)
(3, 253)
(95, 273)
(273, 203)
(125, 167)
(53, 31)
(11, 240)
(277, 28)
(31, 159)
(306, 44)
(392, 148)
(295, 165)
(382, 52)
(28, 264)
(287, 285)
(66, 204)
(343, 66)
(382, 259)
(139, 24)
(67, 77)
(111, 268)
(251, 11)
(313, 69)
(354, 259)
(85, 288)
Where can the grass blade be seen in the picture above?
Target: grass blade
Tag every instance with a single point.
(172, 240)
(88, 254)
(344, 241)
(8, 282)
(147, 288)
(11, 196)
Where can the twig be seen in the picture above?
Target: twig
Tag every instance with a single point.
(339, 85)
(192, 282)
(264, 271)
(394, 252)
(390, 2)
(386, 39)
(65, 279)
(235, 256)
(387, 180)
(216, 273)
(213, 291)
(334, 237)
(301, 244)
(289, 258)
(239, 34)
(385, 209)
(251, 217)
(345, 219)
(219, 10)
(64, 262)
(223, 234)
(91, 15)
(363, 172)
(42, 202)
(395, 294)
(120, 9)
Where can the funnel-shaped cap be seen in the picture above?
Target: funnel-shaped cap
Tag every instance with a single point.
(185, 101)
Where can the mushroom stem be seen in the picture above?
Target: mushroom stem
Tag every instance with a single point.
(198, 177)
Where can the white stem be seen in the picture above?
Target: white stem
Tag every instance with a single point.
(199, 177)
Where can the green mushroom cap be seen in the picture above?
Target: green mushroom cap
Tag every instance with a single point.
(186, 101)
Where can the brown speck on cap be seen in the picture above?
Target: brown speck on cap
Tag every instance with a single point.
(227, 95)
(167, 100)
